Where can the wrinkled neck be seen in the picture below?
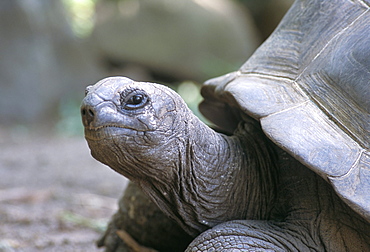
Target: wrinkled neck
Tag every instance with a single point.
(217, 178)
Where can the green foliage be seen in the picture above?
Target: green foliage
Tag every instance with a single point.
(69, 123)
(82, 13)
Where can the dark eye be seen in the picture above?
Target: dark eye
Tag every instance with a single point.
(134, 101)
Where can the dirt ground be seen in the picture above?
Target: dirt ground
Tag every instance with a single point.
(53, 195)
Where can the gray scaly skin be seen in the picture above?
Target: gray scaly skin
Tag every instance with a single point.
(251, 194)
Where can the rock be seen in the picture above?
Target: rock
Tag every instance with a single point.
(189, 39)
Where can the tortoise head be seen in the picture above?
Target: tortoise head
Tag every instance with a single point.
(146, 132)
(127, 123)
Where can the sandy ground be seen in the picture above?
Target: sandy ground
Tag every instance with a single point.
(53, 195)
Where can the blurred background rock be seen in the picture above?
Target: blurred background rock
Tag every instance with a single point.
(51, 49)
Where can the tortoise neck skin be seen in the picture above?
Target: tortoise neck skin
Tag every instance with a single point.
(217, 178)
(195, 175)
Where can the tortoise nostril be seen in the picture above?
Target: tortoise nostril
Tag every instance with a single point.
(91, 113)
(88, 115)
(87, 112)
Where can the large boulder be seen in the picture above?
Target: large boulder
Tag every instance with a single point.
(189, 39)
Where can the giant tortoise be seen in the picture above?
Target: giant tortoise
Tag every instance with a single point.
(291, 170)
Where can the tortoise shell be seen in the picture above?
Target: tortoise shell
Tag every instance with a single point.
(309, 86)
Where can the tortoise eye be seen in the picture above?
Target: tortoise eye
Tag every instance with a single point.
(134, 101)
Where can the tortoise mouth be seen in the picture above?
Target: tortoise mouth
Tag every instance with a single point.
(107, 131)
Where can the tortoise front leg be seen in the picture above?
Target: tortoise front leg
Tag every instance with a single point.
(140, 218)
(254, 235)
